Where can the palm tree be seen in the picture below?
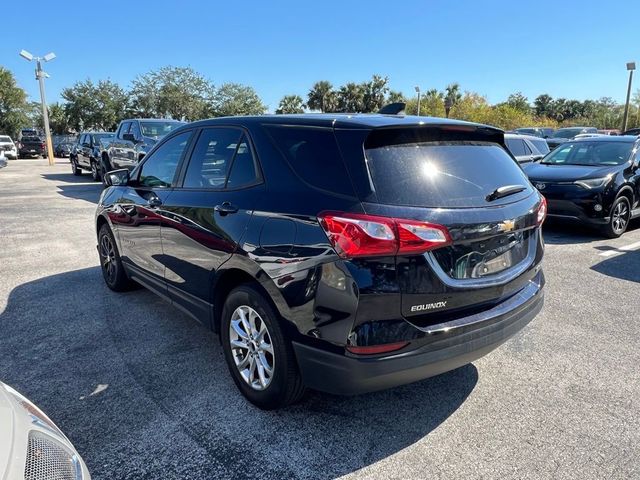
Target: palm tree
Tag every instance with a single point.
(291, 104)
(321, 97)
(351, 98)
(452, 96)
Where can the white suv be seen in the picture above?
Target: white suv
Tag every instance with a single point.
(8, 147)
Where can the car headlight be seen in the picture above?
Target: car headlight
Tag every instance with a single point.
(593, 182)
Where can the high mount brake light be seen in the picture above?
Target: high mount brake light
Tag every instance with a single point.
(542, 211)
(361, 235)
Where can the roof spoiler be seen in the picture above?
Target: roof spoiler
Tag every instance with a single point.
(396, 108)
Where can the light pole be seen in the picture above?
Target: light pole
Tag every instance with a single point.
(631, 66)
(40, 74)
(418, 92)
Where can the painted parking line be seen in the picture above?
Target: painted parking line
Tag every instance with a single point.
(620, 250)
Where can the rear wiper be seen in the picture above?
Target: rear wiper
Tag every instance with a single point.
(505, 191)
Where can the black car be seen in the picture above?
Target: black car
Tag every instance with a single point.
(31, 147)
(632, 131)
(563, 135)
(593, 180)
(63, 149)
(342, 253)
(87, 153)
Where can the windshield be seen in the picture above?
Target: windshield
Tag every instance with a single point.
(158, 129)
(442, 174)
(590, 153)
(4, 138)
(100, 136)
(566, 132)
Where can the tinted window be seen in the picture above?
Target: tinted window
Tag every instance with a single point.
(442, 174)
(541, 145)
(159, 168)
(516, 146)
(591, 153)
(124, 128)
(314, 156)
(158, 129)
(211, 158)
(243, 169)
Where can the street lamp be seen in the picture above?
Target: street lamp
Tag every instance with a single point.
(631, 66)
(40, 76)
(418, 92)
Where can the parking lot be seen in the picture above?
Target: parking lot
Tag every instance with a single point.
(142, 390)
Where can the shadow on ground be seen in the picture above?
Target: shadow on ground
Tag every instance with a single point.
(625, 266)
(170, 408)
(82, 186)
(558, 232)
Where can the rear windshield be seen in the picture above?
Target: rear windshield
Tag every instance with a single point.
(4, 138)
(445, 174)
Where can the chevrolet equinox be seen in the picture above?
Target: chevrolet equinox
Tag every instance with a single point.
(343, 253)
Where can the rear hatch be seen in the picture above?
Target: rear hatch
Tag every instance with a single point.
(461, 178)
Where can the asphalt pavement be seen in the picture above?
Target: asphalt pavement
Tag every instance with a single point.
(143, 392)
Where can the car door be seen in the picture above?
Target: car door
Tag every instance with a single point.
(207, 215)
(140, 211)
(84, 151)
(117, 151)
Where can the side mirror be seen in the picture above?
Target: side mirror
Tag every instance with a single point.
(117, 177)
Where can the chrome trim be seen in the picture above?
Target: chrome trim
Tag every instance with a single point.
(490, 280)
(523, 296)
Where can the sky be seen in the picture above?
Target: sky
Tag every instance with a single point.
(571, 49)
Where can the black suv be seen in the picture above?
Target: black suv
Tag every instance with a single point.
(87, 153)
(342, 253)
(594, 180)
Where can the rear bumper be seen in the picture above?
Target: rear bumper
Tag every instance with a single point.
(447, 347)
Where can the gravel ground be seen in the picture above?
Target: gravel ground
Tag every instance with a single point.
(143, 391)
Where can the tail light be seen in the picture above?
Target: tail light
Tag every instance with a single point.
(360, 235)
(377, 349)
(42, 145)
(542, 210)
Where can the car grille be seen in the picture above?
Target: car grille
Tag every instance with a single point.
(48, 460)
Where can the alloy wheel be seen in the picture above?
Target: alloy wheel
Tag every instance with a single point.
(108, 257)
(620, 217)
(94, 170)
(251, 347)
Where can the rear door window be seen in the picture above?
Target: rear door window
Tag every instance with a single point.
(516, 146)
(445, 174)
(314, 156)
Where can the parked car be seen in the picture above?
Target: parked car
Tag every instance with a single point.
(31, 147)
(86, 154)
(133, 140)
(341, 253)
(63, 149)
(542, 132)
(595, 181)
(632, 131)
(563, 135)
(609, 131)
(7, 147)
(526, 148)
(32, 446)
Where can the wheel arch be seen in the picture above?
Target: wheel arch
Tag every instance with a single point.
(626, 191)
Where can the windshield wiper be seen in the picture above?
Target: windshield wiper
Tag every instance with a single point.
(505, 191)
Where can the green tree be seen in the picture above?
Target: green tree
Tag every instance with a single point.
(542, 105)
(58, 119)
(175, 92)
(92, 106)
(351, 98)
(374, 92)
(322, 97)
(394, 97)
(14, 107)
(452, 96)
(291, 104)
(237, 99)
(519, 102)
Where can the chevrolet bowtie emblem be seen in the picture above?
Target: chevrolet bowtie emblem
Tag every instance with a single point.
(507, 225)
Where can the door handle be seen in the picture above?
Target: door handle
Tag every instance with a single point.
(225, 208)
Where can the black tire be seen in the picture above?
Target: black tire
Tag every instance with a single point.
(619, 218)
(110, 263)
(77, 171)
(285, 385)
(95, 171)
